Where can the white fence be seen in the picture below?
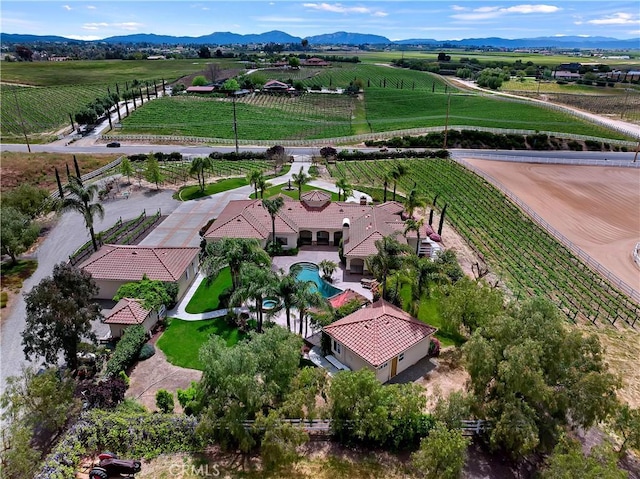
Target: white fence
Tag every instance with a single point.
(552, 161)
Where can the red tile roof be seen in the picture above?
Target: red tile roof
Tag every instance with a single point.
(369, 228)
(130, 263)
(345, 297)
(127, 311)
(379, 332)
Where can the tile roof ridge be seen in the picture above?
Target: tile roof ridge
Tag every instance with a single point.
(164, 265)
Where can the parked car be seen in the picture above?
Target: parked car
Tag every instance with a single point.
(113, 144)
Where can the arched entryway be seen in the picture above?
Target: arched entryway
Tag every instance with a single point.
(305, 237)
(357, 266)
(337, 236)
(322, 237)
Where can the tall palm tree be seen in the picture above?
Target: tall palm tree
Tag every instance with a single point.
(198, 165)
(304, 299)
(254, 177)
(398, 171)
(262, 186)
(426, 271)
(272, 207)
(286, 291)
(256, 283)
(388, 259)
(413, 201)
(80, 199)
(232, 252)
(414, 225)
(300, 179)
(343, 187)
(385, 184)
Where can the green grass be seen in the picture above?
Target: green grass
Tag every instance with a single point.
(276, 190)
(193, 192)
(13, 275)
(4, 297)
(182, 340)
(206, 297)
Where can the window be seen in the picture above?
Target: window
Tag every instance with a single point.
(401, 357)
(384, 365)
(282, 241)
(336, 346)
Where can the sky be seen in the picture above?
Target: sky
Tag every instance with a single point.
(396, 20)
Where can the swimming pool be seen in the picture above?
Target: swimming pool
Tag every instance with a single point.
(311, 272)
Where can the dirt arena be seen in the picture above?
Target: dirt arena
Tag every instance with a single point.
(597, 208)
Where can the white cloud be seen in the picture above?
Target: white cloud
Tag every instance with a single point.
(340, 8)
(487, 13)
(91, 7)
(86, 38)
(129, 26)
(619, 18)
(67, 7)
(94, 26)
(634, 32)
(458, 8)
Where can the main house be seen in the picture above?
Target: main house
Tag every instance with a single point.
(114, 265)
(380, 337)
(316, 220)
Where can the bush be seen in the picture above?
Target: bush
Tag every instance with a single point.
(127, 350)
(146, 352)
(164, 401)
(105, 394)
(434, 348)
(188, 398)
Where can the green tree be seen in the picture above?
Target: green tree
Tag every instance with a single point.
(262, 186)
(17, 456)
(305, 299)
(198, 165)
(469, 304)
(453, 410)
(390, 257)
(442, 454)
(399, 171)
(448, 264)
(164, 401)
(327, 267)
(153, 294)
(27, 199)
(231, 85)
(300, 179)
(253, 178)
(257, 284)
(199, 80)
(152, 171)
(287, 291)
(414, 225)
(17, 232)
(425, 273)
(626, 425)
(344, 188)
(413, 201)
(272, 207)
(80, 200)
(569, 462)
(302, 399)
(126, 169)
(280, 440)
(60, 310)
(294, 62)
(531, 376)
(232, 252)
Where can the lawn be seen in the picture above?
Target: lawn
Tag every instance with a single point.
(193, 192)
(276, 190)
(182, 340)
(13, 276)
(206, 297)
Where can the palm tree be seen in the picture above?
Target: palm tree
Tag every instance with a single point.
(414, 225)
(426, 271)
(287, 290)
(300, 179)
(263, 185)
(304, 299)
(232, 252)
(81, 201)
(413, 201)
(385, 185)
(272, 207)
(388, 259)
(344, 187)
(327, 267)
(398, 171)
(256, 283)
(198, 165)
(253, 178)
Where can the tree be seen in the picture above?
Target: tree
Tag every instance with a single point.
(327, 267)
(280, 440)
(106, 393)
(18, 458)
(204, 52)
(413, 201)
(152, 171)
(253, 178)
(164, 401)
(256, 283)
(231, 85)
(126, 169)
(626, 425)
(469, 304)
(448, 264)
(344, 187)
(80, 200)
(60, 310)
(294, 62)
(287, 291)
(198, 165)
(425, 272)
(442, 453)
(568, 462)
(300, 179)
(398, 171)
(153, 294)
(199, 80)
(531, 376)
(304, 43)
(272, 207)
(262, 185)
(414, 225)
(232, 252)
(304, 299)
(388, 259)
(27, 199)
(17, 232)
(328, 152)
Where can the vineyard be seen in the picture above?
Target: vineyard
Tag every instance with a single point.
(527, 258)
(177, 172)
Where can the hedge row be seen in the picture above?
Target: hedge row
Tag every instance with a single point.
(379, 155)
(127, 350)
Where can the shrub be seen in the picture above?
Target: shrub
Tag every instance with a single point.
(434, 348)
(105, 394)
(122, 375)
(164, 401)
(146, 352)
(188, 398)
(127, 350)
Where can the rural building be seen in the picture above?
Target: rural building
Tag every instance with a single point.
(316, 220)
(565, 75)
(380, 337)
(114, 265)
(573, 67)
(129, 312)
(315, 62)
(275, 86)
(200, 89)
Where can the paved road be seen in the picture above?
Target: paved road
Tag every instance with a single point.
(66, 236)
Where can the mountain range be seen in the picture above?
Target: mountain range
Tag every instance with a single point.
(341, 38)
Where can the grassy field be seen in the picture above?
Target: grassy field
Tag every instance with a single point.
(530, 85)
(182, 340)
(280, 189)
(206, 297)
(193, 192)
(37, 168)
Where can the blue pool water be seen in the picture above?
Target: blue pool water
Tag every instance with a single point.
(311, 272)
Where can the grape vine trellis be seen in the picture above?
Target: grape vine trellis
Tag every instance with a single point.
(530, 260)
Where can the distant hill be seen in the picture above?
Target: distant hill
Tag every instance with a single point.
(342, 38)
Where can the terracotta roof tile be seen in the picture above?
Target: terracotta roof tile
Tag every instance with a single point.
(130, 263)
(127, 311)
(345, 297)
(379, 332)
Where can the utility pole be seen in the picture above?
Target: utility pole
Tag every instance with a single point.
(635, 157)
(24, 130)
(446, 122)
(235, 122)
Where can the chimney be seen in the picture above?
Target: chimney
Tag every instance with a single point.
(346, 223)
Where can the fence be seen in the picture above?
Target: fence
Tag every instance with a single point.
(92, 174)
(588, 260)
(553, 161)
